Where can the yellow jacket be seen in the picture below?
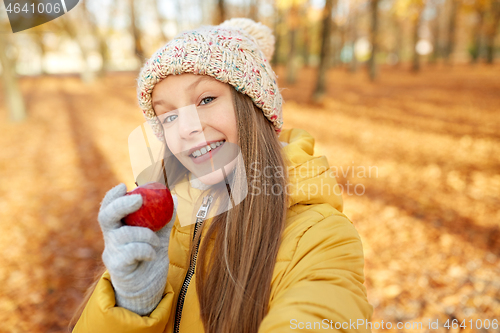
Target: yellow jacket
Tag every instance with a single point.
(318, 277)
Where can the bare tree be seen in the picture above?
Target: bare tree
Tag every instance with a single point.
(254, 9)
(220, 14)
(15, 102)
(278, 20)
(306, 37)
(416, 28)
(475, 50)
(353, 36)
(293, 25)
(452, 24)
(436, 47)
(340, 41)
(398, 38)
(139, 51)
(100, 36)
(320, 89)
(372, 62)
(38, 39)
(492, 31)
(68, 26)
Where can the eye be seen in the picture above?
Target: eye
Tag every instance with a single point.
(206, 100)
(168, 119)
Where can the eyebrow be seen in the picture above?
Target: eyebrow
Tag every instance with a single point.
(161, 102)
(200, 79)
(192, 86)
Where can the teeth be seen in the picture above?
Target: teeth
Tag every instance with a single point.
(207, 148)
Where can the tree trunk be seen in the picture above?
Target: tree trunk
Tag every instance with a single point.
(334, 46)
(15, 102)
(399, 41)
(220, 15)
(101, 39)
(341, 43)
(38, 37)
(416, 28)
(104, 51)
(86, 73)
(492, 32)
(451, 29)
(372, 63)
(293, 23)
(320, 89)
(139, 51)
(436, 49)
(291, 61)
(306, 41)
(254, 9)
(353, 67)
(475, 51)
(277, 34)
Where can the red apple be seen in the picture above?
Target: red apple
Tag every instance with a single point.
(157, 207)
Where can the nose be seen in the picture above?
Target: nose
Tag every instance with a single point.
(189, 122)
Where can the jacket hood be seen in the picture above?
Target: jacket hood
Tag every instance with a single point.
(311, 181)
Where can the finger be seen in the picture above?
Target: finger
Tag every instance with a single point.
(116, 192)
(130, 234)
(109, 217)
(176, 204)
(134, 253)
(174, 214)
(164, 233)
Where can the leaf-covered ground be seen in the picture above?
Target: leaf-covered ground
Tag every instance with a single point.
(418, 156)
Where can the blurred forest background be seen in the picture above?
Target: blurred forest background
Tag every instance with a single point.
(410, 87)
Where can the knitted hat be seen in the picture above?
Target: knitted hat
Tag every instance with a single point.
(236, 52)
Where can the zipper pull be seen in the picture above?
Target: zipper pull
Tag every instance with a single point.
(205, 206)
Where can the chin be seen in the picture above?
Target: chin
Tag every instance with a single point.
(217, 176)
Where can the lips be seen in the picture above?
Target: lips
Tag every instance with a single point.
(207, 156)
(201, 145)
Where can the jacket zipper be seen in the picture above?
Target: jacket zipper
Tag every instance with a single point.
(200, 217)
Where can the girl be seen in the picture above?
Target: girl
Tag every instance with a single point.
(258, 243)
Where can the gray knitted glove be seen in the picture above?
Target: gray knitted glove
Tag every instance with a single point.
(136, 257)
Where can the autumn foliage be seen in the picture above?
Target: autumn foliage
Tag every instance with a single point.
(427, 210)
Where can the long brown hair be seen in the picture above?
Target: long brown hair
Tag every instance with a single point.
(233, 281)
(233, 278)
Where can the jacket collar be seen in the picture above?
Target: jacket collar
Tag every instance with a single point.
(310, 177)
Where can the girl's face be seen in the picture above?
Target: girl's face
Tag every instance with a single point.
(196, 111)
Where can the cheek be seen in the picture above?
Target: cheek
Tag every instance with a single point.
(226, 123)
(173, 143)
(233, 128)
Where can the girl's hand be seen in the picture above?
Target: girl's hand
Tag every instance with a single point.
(136, 257)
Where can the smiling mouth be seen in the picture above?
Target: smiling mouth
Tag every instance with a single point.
(205, 150)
